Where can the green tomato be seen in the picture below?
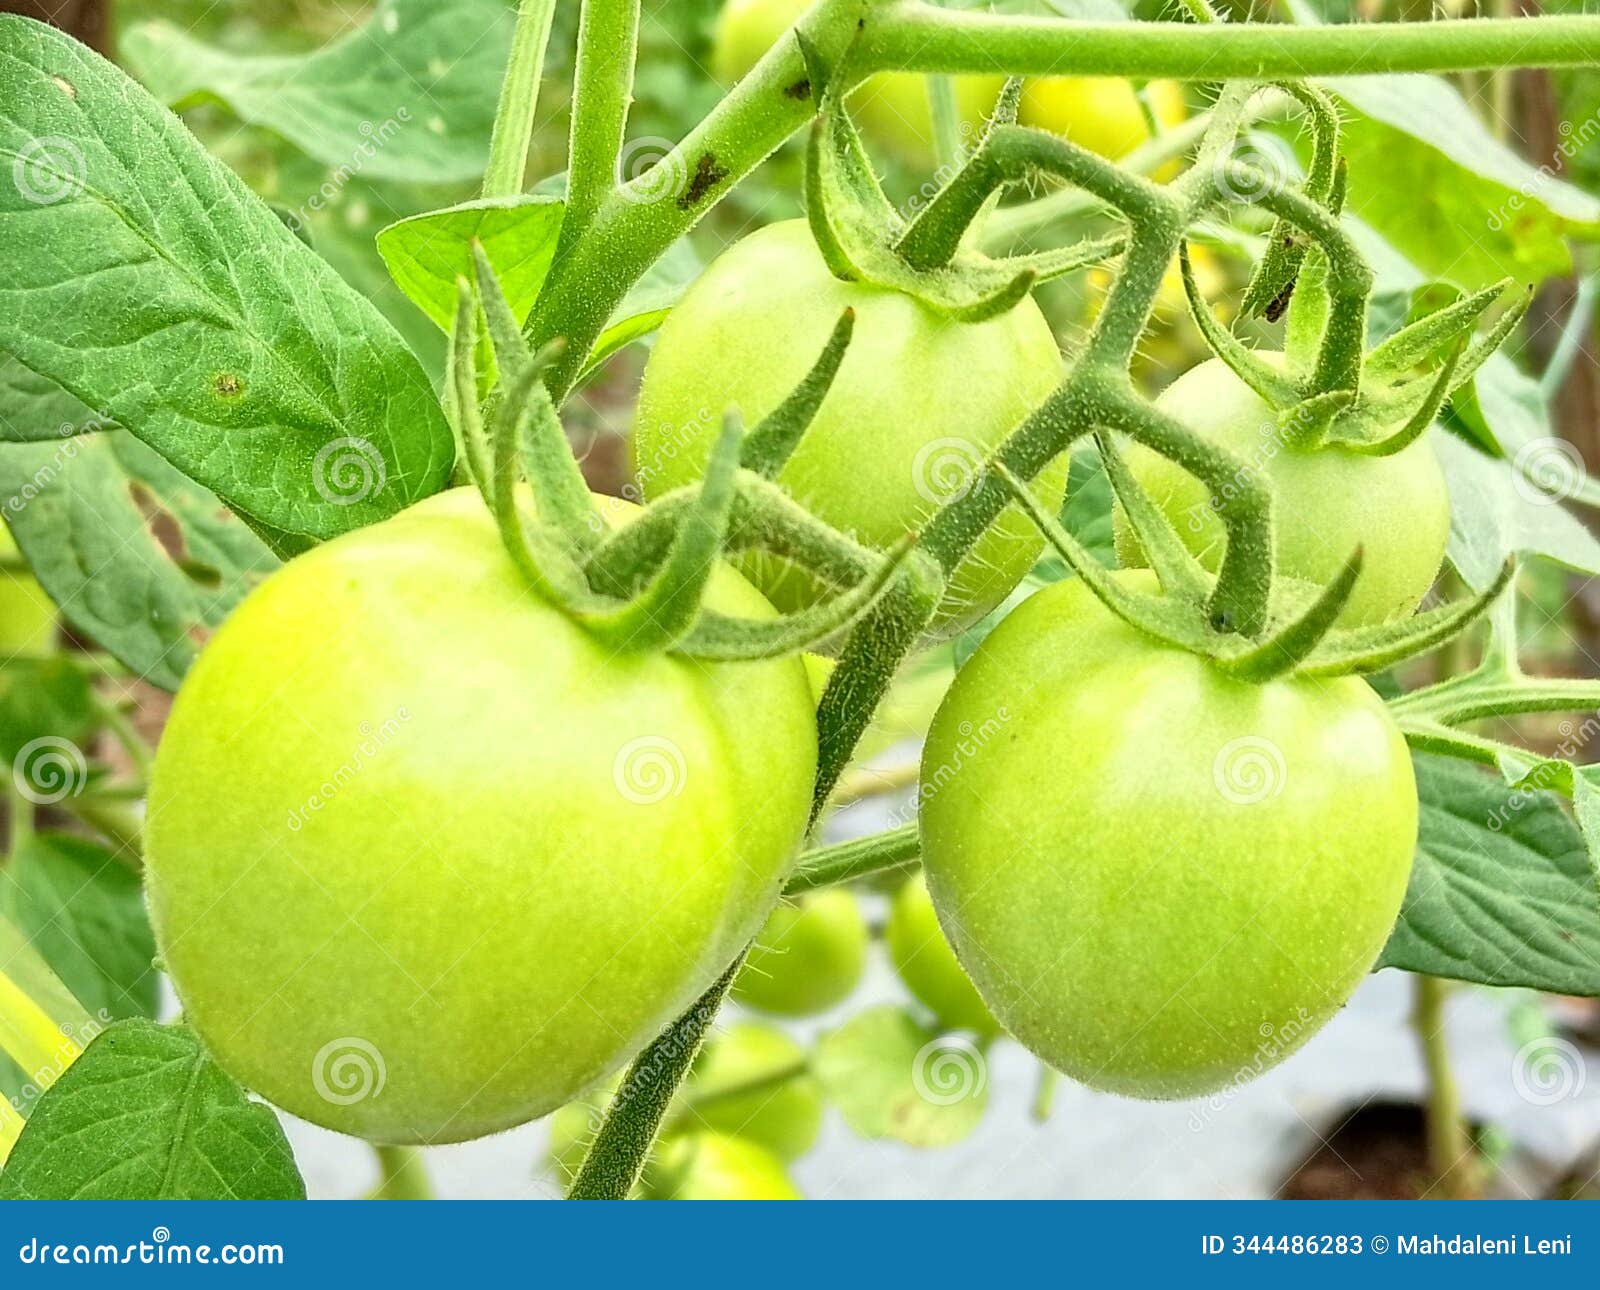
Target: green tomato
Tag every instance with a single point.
(892, 107)
(1100, 113)
(1326, 502)
(716, 1166)
(781, 1114)
(782, 1111)
(918, 404)
(928, 966)
(809, 956)
(1160, 878)
(27, 614)
(425, 860)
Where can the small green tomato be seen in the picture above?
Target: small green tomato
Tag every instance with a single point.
(808, 958)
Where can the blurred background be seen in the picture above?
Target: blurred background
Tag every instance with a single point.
(854, 1064)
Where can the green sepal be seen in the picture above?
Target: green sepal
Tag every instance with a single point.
(769, 446)
(560, 493)
(1272, 385)
(461, 386)
(1373, 648)
(1421, 418)
(1287, 646)
(722, 638)
(665, 611)
(1415, 344)
(1175, 566)
(1178, 622)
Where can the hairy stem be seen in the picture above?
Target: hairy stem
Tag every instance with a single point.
(633, 1119)
(608, 37)
(519, 95)
(847, 861)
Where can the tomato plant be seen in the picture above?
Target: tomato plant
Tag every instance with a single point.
(1332, 498)
(1210, 909)
(808, 957)
(917, 403)
(483, 791)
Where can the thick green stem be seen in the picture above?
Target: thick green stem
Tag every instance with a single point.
(920, 38)
(1452, 1162)
(401, 1175)
(620, 1148)
(519, 96)
(627, 233)
(602, 89)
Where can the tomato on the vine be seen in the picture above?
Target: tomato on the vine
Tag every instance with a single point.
(808, 957)
(27, 614)
(929, 967)
(1326, 501)
(891, 106)
(716, 1166)
(1160, 877)
(751, 1082)
(918, 403)
(1100, 113)
(425, 860)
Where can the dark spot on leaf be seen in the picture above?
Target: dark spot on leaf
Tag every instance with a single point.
(227, 385)
(1280, 302)
(707, 175)
(161, 522)
(801, 89)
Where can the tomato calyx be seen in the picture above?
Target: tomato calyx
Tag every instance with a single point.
(1299, 637)
(1330, 391)
(641, 588)
(863, 238)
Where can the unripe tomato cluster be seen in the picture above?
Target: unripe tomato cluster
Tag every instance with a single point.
(425, 861)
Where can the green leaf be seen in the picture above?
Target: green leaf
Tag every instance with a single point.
(409, 95)
(1497, 512)
(893, 1077)
(143, 277)
(47, 709)
(83, 910)
(1501, 892)
(144, 1114)
(1487, 214)
(139, 558)
(35, 409)
(426, 253)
